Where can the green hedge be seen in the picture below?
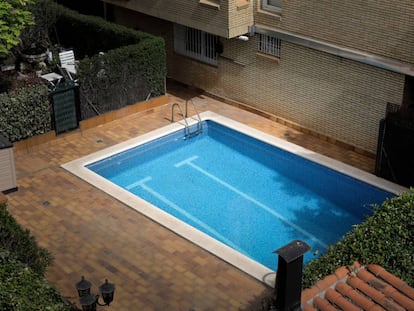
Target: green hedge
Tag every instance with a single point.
(19, 242)
(21, 289)
(386, 238)
(22, 267)
(25, 112)
(89, 35)
(121, 77)
(133, 64)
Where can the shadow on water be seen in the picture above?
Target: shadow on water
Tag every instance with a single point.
(321, 219)
(321, 222)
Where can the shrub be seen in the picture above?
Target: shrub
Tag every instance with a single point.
(22, 266)
(19, 242)
(121, 77)
(25, 112)
(89, 35)
(386, 238)
(132, 67)
(22, 289)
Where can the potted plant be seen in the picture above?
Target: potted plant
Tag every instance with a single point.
(36, 53)
(35, 40)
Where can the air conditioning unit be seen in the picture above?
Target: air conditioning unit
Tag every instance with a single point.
(8, 181)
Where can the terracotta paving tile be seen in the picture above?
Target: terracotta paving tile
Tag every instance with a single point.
(90, 233)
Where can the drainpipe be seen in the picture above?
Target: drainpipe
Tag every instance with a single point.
(288, 285)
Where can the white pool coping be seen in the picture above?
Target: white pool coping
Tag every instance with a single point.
(242, 262)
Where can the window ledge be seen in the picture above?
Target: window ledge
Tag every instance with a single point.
(270, 13)
(210, 3)
(237, 62)
(268, 56)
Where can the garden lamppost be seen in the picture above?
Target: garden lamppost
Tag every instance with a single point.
(89, 301)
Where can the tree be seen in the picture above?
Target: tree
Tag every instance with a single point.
(14, 17)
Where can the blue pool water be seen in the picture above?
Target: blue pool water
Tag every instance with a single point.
(251, 196)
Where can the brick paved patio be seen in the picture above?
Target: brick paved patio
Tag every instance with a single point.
(90, 233)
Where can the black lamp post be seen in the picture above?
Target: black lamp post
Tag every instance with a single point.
(89, 301)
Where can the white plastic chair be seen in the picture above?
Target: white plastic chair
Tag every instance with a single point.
(67, 61)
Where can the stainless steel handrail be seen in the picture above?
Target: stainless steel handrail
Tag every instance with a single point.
(199, 122)
(187, 128)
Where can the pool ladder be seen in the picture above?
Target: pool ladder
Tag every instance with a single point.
(187, 130)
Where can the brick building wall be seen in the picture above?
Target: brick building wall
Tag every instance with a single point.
(381, 27)
(336, 97)
(327, 94)
(230, 19)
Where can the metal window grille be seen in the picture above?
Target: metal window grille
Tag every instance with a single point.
(276, 3)
(269, 45)
(272, 5)
(196, 44)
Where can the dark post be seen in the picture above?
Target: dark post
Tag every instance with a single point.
(288, 285)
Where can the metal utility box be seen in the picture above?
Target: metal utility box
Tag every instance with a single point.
(8, 181)
(66, 114)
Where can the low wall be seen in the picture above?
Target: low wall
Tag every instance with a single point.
(27, 144)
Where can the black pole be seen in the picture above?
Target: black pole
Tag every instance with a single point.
(288, 285)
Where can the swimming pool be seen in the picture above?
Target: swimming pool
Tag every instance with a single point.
(213, 190)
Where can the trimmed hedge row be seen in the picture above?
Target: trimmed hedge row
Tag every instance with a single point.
(386, 238)
(121, 77)
(89, 35)
(25, 112)
(132, 66)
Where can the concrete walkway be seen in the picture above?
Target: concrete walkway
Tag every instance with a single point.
(89, 233)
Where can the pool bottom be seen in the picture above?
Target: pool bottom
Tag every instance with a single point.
(242, 262)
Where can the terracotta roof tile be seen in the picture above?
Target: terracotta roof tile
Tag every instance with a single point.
(323, 305)
(343, 303)
(359, 287)
(385, 288)
(341, 272)
(307, 307)
(309, 293)
(355, 296)
(392, 279)
(326, 282)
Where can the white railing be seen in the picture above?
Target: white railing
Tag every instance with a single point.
(196, 44)
(269, 45)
